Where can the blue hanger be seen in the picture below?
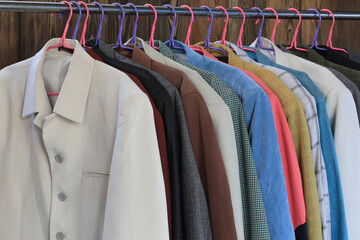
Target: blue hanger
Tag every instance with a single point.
(258, 43)
(171, 41)
(207, 41)
(133, 40)
(121, 19)
(78, 21)
(101, 22)
(314, 42)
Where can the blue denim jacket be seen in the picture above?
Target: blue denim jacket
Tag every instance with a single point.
(263, 137)
(337, 209)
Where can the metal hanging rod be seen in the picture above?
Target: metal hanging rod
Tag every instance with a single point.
(56, 7)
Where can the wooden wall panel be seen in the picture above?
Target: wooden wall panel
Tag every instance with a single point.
(9, 39)
(22, 35)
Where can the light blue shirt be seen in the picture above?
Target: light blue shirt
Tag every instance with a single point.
(263, 137)
(337, 209)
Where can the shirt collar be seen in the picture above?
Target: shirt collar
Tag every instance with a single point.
(238, 51)
(233, 59)
(193, 57)
(277, 55)
(72, 98)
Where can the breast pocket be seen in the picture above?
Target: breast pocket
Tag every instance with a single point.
(95, 174)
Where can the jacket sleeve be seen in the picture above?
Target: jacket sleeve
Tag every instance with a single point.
(345, 125)
(136, 201)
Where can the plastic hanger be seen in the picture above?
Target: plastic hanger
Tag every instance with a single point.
(133, 39)
(78, 21)
(239, 41)
(171, 41)
(121, 19)
(100, 24)
(63, 38)
(82, 39)
(329, 42)
(207, 41)
(187, 40)
(293, 42)
(223, 42)
(258, 43)
(314, 42)
(151, 40)
(276, 23)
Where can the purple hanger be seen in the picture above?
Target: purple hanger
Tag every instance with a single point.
(121, 19)
(258, 43)
(171, 41)
(314, 42)
(78, 21)
(100, 24)
(207, 41)
(133, 40)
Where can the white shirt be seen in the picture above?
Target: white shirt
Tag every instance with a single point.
(344, 122)
(224, 129)
(83, 165)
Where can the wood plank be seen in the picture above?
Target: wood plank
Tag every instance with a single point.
(34, 33)
(9, 38)
(26, 33)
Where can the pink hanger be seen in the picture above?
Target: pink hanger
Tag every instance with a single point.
(151, 40)
(276, 23)
(329, 42)
(82, 39)
(226, 24)
(197, 49)
(239, 42)
(63, 38)
(293, 42)
(187, 40)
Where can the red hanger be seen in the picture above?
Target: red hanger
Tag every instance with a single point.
(329, 42)
(293, 42)
(187, 40)
(63, 38)
(223, 42)
(276, 23)
(239, 42)
(151, 40)
(82, 39)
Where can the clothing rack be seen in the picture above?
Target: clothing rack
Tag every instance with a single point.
(56, 7)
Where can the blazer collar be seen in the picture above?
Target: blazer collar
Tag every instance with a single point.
(72, 98)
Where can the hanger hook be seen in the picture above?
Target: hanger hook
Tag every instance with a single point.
(226, 24)
(293, 42)
(276, 23)
(258, 43)
(133, 40)
(187, 40)
(314, 42)
(207, 41)
(239, 42)
(101, 22)
(151, 40)
(171, 42)
(78, 21)
(329, 42)
(121, 19)
(62, 41)
(82, 38)
(261, 25)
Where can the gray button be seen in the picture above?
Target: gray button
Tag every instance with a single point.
(62, 196)
(58, 159)
(59, 236)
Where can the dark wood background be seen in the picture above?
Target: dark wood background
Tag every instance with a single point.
(23, 34)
